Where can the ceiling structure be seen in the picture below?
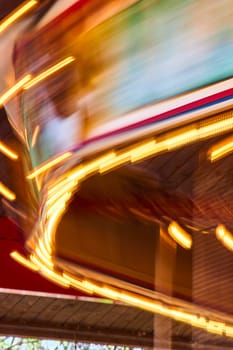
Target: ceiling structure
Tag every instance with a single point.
(91, 321)
(83, 321)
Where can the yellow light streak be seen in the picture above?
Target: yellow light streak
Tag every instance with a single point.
(94, 165)
(43, 249)
(105, 291)
(224, 236)
(119, 295)
(64, 192)
(114, 162)
(41, 264)
(159, 147)
(18, 13)
(215, 327)
(11, 92)
(74, 282)
(65, 185)
(48, 72)
(8, 194)
(47, 243)
(183, 238)
(23, 261)
(79, 173)
(144, 303)
(48, 273)
(43, 256)
(82, 171)
(199, 322)
(215, 127)
(110, 293)
(142, 151)
(149, 305)
(53, 221)
(71, 181)
(55, 278)
(7, 151)
(228, 331)
(183, 316)
(222, 149)
(181, 138)
(48, 165)
(90, 286)
(58, 206)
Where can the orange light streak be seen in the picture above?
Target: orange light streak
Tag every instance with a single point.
(11, 92)
(7, 151)
(180, 235)
(222, 149)
(23, 261)
(48, 165)
(224, 236)
(8, 194)
(17, 14)
(48, 72)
